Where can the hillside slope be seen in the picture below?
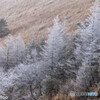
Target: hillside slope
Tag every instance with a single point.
(29, 17)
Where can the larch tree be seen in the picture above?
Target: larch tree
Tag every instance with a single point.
(90, 37)
(12, 52)
(7, 56)
(89, 48)
(54, 47)
(19, 49)
(33, 51)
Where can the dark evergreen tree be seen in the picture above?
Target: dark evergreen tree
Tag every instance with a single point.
(3, 28)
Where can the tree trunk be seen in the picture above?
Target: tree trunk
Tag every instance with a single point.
(33, 98)
(40, 89)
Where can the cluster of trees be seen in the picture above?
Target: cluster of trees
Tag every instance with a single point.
(38, 67)
(88, 51)
(41, 69)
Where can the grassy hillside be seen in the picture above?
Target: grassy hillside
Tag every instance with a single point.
(30, 17)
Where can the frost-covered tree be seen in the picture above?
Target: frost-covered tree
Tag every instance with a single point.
(54, 48)
(33, 51)
(19, 49)
(30, 52)
(83, 49)
(28, 76)
(7, 53)
(87, 46)
(31, 56)
(12, 52)
(88, 50)
(6, 80)
(71, 60)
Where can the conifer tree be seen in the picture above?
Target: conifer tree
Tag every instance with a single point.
(89, 48)
(54, 47)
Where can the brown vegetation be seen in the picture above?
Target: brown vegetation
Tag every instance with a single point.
(30, 17)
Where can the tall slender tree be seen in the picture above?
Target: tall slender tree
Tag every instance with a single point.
(19, 50)
(54, 49)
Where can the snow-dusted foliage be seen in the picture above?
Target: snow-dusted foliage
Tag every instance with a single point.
(7, 58)
(31, 56)
(27, 74)
(11, 55)
(12, 52)
(19, 49)
(88, 45)
(33, 70)
(6, 80)
(89, 37)
(71, 60)
(33, 51)
(54, 49)
(88, 50)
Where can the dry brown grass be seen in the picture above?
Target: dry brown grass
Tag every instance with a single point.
(65, 97)
(61, 97)
(29, 17)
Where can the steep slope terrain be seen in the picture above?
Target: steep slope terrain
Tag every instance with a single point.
(29, 17)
